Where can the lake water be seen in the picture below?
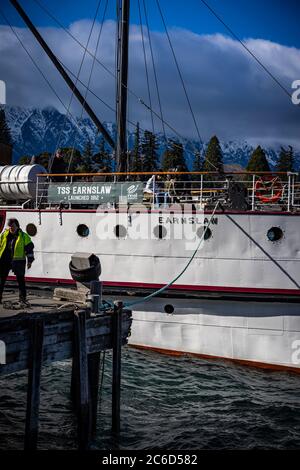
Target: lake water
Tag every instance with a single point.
(167, 403)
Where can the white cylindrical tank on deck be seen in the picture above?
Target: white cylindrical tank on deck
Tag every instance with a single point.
(18, 182)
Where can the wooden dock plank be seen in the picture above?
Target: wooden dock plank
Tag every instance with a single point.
(41, 336)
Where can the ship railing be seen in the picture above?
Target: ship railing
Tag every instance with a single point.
(258, 191)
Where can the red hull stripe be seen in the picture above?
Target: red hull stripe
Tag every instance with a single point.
(158, 211)
(260, 365)
(252, 290)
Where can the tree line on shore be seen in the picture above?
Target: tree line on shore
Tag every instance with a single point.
(144, 155)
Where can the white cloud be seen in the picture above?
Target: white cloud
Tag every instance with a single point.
(230, 93)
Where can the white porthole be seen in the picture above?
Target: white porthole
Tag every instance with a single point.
(120, 231)
(207, 234)
(160, 232)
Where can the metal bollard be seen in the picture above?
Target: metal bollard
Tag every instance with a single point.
(94, 297)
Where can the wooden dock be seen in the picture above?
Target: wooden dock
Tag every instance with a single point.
(52, 331)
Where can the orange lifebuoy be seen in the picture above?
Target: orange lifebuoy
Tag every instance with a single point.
(268, 184)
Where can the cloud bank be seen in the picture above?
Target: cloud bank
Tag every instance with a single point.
(230, 93)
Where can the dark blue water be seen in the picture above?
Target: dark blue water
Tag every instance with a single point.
(167, 403)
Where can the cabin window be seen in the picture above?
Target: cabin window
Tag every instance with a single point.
(120, 231)
(160, 231)
(31, 230)
(83, 230)
(274, 234)
(207, 235)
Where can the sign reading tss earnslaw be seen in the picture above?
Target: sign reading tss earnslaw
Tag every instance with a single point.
(95, 193)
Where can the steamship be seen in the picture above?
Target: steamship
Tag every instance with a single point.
(213, 272)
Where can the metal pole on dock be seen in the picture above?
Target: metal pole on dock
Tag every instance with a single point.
(34, 381)
(116, 372)
(94, 376)
(81, 381)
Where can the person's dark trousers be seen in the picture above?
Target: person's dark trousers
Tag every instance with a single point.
(22, 286)
(4, 271)
(18, 268)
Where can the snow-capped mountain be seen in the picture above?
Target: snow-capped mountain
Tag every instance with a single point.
(44, 130)
(39, 130)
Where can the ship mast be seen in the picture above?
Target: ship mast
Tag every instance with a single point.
(122, 79)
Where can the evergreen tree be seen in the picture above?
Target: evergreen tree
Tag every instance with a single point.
(173, 157)
(258, 161)
(87, 158)
(102, 158)
(40, 159)
(197, 165)
(285, 160)
(43, 159)
(149, 149)
(135, 154)
(72, 158)
(5, 135)
(24, 160)
(213, 160)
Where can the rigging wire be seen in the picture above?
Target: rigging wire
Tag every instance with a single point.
(79, 80)
(180, 75)
(113, 109)
(73, 37)
(155, 74)
(36, 65)
(85, 86)
(246, 48)
(139, 99)
(89, 80)
(76, 81)
(146, 66)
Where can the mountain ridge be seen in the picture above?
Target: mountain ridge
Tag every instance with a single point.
(37, 130)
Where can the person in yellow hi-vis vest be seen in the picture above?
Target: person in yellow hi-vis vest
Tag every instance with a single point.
(15, 247)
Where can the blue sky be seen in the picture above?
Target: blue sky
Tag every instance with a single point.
(275, 20)
(232, 96)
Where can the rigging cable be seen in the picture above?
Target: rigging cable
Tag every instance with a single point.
(246, 48)
(89, 80)
(85, 86)
(146, 66)
(180, 76)
(138, 98)
(113, 110)
(155, 74)
(76, 81)
(80, 81)
(36, 65)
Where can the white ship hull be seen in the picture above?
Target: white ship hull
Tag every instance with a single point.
(237, 260)
(263, 334)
